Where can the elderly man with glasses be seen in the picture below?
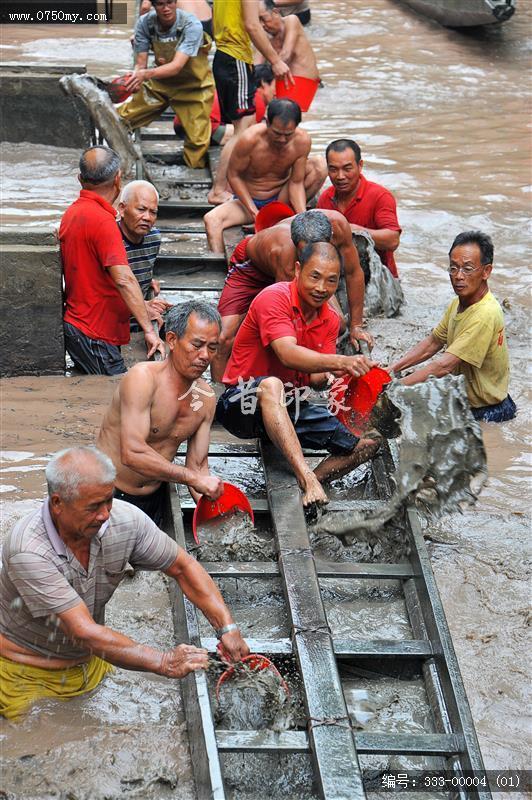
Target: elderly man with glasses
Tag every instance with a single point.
(182, 77)
(472, 332)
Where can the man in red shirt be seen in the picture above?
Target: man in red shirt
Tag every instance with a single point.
(101, 292)
(286, 344)
(366, 205)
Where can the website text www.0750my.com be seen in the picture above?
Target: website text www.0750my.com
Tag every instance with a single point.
(86, 13)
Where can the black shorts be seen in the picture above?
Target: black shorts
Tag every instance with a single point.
(207, 26)
(152, 504)
(316, 427)
(303, 16)
(92, 356)
(235, 85)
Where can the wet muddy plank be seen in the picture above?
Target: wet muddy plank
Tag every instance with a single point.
(261, 741)
(161, 156)
(337, 768)
(428, 744)
(176, 207)
(325, 569)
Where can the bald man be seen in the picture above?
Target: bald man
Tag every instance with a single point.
(137, 210)
(101, 292)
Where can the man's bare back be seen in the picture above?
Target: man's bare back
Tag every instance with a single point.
(288, 38)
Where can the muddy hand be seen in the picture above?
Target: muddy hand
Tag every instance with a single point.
(358, 365)
(232, 647)
(208, 485)
(281, 70)
(313, 493)
(154, 344)
(357, 335)
(181, 660)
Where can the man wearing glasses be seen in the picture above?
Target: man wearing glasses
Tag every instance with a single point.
(182, 77)
(472, 331)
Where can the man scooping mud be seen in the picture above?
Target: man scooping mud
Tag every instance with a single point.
(182, 77)
(270, 256)
(472, 331)
(286, 344)
(61, 566)
(159, 405)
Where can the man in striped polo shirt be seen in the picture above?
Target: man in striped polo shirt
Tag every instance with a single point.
(138, 206)
(60, 567)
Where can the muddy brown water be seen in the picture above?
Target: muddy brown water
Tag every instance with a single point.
(441, 117)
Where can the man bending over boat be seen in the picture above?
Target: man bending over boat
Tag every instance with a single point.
(61, 565)
(286, 344)
(268, 162)
(472, 333)
(157, 406)
(269, 256)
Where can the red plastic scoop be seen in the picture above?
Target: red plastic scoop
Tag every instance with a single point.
(256, 663)
(357, 397)
(116, 89)
(271, 214)
(230, 500)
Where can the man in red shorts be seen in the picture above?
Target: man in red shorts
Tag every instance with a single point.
(270, 256)
(366, 205)
(286, 344)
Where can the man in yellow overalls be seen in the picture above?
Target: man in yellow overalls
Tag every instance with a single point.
(182, 77)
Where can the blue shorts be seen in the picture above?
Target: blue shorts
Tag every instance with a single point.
(500, 412)
(261, 203)
(315, 426)
(92, 356)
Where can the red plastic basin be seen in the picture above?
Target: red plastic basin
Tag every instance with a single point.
(271, 214)
(358, 396)
(232, 498)
(302, 91)
(116, 89)
(256, 663)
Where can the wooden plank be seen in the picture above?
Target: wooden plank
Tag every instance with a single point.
(194, 688)
(347, 649)
(179, 207)
(450, 678)
(427, 744)
(277, 647)
(166, 261)
(262, 741)
(325, 569)
(337, 768)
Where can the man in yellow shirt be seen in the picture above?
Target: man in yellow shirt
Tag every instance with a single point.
(237, 27)
(472, 331)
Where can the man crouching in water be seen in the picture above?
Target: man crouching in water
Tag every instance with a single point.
(157, 406)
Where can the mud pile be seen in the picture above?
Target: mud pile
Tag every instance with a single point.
(441, 464)
(232, 537)
(384, 294)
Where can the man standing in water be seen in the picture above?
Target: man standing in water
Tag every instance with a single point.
(472, 331)
(101, 292)
(270, 256)
(61, 566)
(286, 343)
(182, 77)
(366, 205)
(159, 405)
(268, 162)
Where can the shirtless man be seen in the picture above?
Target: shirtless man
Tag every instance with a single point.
(159, 405)
(270, 256)
(268, 162)
(289, 40)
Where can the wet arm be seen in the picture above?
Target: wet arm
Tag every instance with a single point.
(238, 165)
(131, 294)
(355, 287)
(257, 34)
(422, 351)
(169, 70)
(296, 184)
(384, 238)
(302, 359)
(292, 30)
(197, 458)
(108, 644)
